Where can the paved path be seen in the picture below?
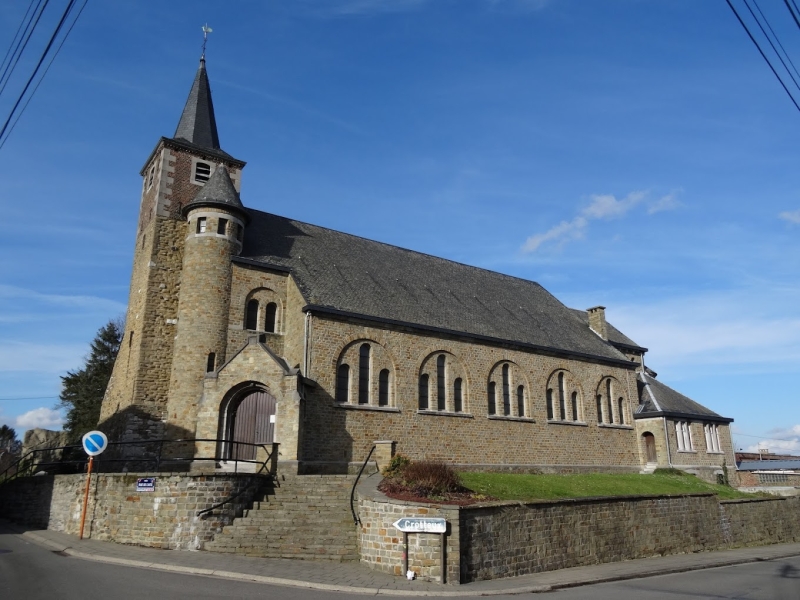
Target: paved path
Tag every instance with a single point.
(357, 579)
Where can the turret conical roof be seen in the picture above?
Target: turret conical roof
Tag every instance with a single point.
(198, 125)
(218, 191)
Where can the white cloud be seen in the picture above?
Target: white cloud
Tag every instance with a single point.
(92, 303)
(46, 418)
(791, 216)
(43, 358)
(602, 206)
(668, 202)
(720, 328)
(564, 231)
(606, 206)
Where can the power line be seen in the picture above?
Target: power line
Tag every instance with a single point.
(775, 35)
(764, 56)
(774, 49)
(21, 27)
(38, 83)
(9, 69)
(38, 66)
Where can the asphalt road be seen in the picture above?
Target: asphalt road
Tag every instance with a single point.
(31, 572)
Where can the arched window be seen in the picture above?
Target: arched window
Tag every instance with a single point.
(383, 388)
(492, 399)
(211, 362)
(423, 391)
(251, 315)
(521, 400)
(550, 404)
(506, 393)
(458, 403)
(599, 408)
(363, 374)
(562, 408)
(441, 403)
(342, 383)
(574, 406)
(608, 401)
(269, 317)
(620, 412)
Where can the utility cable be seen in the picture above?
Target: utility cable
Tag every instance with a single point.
(764, 56)
(22, 27)
(38, 65)
(19, 51)
(775, 35)
(774, 49)
(44, 74)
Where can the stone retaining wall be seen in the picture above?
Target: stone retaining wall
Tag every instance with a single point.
(506, 539)
(164, 518)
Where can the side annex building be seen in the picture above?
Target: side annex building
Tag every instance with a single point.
(247, 326)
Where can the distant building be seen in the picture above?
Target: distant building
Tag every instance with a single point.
(248, 326)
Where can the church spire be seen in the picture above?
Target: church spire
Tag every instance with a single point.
(198, 125)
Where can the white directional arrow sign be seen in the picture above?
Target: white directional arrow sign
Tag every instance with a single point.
(420, 525)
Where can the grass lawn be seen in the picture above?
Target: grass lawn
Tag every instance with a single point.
(506, 486)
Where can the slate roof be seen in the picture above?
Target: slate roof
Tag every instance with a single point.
(658, 399)
(615, 336)
(198, 124)
(769, 465)
(217, 191)
(341, 273)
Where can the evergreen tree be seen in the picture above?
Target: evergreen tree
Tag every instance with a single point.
(82, 391)
(8, 440)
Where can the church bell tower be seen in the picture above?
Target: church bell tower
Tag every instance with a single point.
(174, 180)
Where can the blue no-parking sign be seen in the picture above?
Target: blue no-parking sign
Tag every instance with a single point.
(94, 442)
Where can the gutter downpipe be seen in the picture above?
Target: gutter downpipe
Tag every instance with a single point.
(666, 441)
(306, 334)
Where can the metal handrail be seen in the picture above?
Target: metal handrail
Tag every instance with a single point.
(256, 478)
(356, 519)
(27, 465)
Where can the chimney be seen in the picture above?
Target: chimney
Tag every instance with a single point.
(597, 321)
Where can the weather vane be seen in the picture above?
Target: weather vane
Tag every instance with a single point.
(206, 31)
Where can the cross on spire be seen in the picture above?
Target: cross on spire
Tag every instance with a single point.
(206, 30)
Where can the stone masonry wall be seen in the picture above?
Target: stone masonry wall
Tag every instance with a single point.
(510, 539)
(345, 431)
(166, 518)
(381, 545)
(248, 282)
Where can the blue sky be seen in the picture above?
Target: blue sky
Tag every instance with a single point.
(630, 153)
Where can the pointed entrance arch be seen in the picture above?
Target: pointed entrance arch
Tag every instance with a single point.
(250, 418)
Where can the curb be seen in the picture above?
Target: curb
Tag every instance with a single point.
(530, 589)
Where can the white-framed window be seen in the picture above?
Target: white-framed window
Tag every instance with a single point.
(201, 225)
(683, 433)
(712, 437)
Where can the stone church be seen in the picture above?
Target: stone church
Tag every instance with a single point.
(246, 326)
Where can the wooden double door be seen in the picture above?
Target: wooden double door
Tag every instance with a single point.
(252, 421)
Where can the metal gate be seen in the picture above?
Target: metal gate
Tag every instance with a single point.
(252, 422)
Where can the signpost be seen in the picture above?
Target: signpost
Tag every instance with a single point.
(94, 443)
(422, 525)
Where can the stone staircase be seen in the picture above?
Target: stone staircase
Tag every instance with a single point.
(296, 516)
(649, 468)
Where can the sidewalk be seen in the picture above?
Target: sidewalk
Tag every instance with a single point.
(357, 579)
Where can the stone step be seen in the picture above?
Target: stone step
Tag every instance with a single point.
(297, 516)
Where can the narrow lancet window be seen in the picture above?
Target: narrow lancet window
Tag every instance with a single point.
(423, 391)
(458, 403)
(383, 388)
(269, 317)
(441, 402)
(506, 393)
(363, 374)
(342, 383)
(251, 315)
